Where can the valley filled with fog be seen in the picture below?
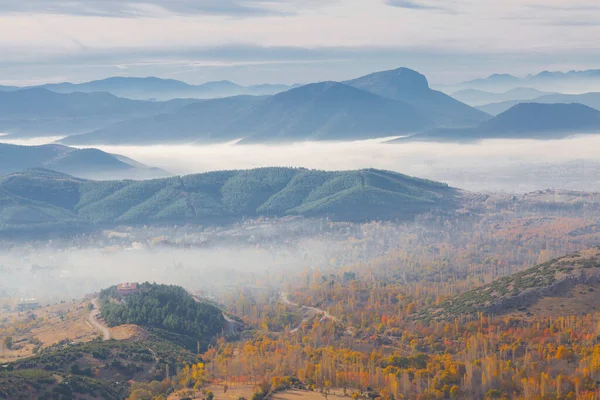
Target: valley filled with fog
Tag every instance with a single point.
(256, 255)
(490, 165)
(506, 165)
(365, 233)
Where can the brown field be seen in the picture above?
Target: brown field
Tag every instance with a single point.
(125, 332)
(233, 393)
(68, 321)
(49, 325)
(307, 395)
(246, 391)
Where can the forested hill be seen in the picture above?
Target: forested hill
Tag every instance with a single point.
(170, 308)
(47, 201)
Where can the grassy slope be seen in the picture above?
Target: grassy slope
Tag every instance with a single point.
(522, 290)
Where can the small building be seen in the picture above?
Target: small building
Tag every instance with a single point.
(127, 288)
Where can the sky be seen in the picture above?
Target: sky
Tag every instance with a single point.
(292, 41)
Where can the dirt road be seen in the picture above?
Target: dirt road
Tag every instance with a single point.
(97, 324)
(309, 312)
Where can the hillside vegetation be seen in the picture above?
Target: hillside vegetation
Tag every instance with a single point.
(93, 370)
(521, 291)
(46, 201)
(165, 307)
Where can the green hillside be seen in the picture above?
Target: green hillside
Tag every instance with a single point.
(44, 201)
(170, 308)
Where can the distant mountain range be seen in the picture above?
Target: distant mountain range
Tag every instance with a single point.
(329, 111)
(78, 162)
(563, 82)
(399, 102)
(388, 103)
(152, 88)
(46, 201)
(524, 121)
(41, 112)
(320, 111)
(205, 121)
(474, 97)
(588, 99)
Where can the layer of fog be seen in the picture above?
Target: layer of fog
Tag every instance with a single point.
(52, 275)
(491, 165)
(29, 141)
(212, 261)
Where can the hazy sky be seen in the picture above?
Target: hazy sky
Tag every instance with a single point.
(292, 40)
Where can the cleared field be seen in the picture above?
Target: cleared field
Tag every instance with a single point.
(44, 327)
(246, 391)
(125, 332)
(306, 395)
(233, 393)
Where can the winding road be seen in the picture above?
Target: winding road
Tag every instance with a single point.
(93, 318)
(310, 312)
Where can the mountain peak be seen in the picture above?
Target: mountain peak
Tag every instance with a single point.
(411, 87)
(399, 79)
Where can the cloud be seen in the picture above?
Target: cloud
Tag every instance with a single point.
(250, 41)
(415, 5)
(133, 8)
(574, 6)
(575, 23)
(251, 64)
(242, 63)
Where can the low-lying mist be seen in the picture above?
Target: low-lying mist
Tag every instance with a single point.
(212, 260)
(52, 275)
(254, 255)
(491, 165)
